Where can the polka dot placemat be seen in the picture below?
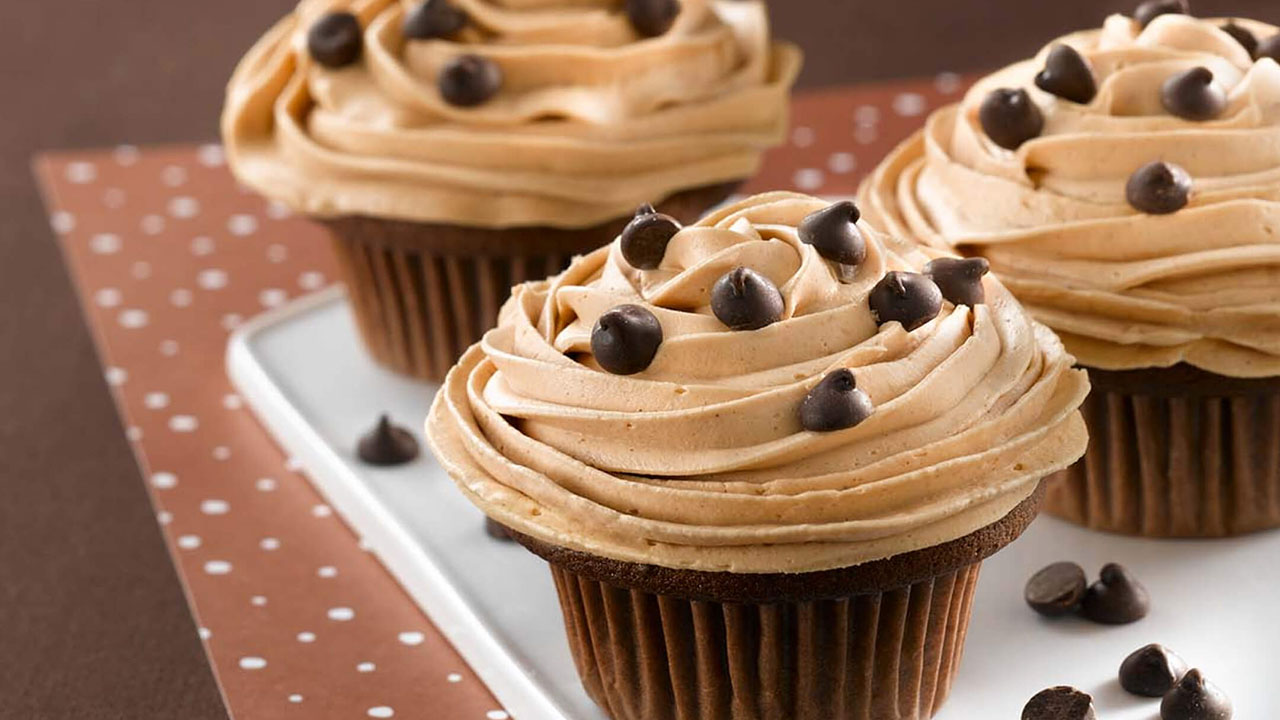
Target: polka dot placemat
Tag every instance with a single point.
(169, 256)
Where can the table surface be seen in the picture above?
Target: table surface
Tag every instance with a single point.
(95, 621)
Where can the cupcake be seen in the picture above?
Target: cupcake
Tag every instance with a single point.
(1124, 184)
(458, 147)
(765, 470)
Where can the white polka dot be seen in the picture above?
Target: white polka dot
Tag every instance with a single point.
(278, 210)
(202, 245)
(217, 567)
(173, 175)
(63, 222)
(947, 82)
(842, 163)
(252, 663)
(266, 484)
(341, 614)
(497, 715)
(306, 637)
(181, 297)
(141, 270)
(231, 401)
(321, 511)
(866, 115)
(214, 506)
(81, 173)
(133, 432)
(155, 400)
(152, 224)
(453, 678)
(125, 155)
(366, 667)
(808, 179)
(189, 542)
(382, 711)
(183, 423)
(327, 571)
(211, 155)
(107, 297)
(292, 464)
(221, 452)
(212, 279)
(105, 244)
(311, 280)
(295, 698)
(164, 480)
(241, 225)
(231, 321)
(205, 633)
(909, 104)
(269, 544)
(866, 135)
(164, 517)
(168, 348)
(258, 601)
(412, 637)
(116, 376)
(277, 253)
(802, 137)
(184, 206)
(272, 297)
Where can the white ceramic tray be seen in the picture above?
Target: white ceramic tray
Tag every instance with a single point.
(302, 369)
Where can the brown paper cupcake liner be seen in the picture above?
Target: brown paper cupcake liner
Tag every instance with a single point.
(423, 293)
(1175, 452)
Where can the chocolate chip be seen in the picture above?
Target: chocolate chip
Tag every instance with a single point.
(1195, 698)
(1158, 188)
(625, 339)
(387, 444)
(1010, 118)
(644, 239)
(1269, 48)
(1116, 599)
(1151, 671)
(496, 530)
(469, 80)
(1057, 589)
(1059, 703)
(835, 403)
(1193, 95)
(743, 299)
(652, 18)
(1150, 10)
(833, 232)
(959, 279)
(433, 19)
(1067, 74)
(1243, 35)
(909, 298)
(335, 40)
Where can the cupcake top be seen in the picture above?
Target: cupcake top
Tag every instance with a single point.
(502, 113)
(775, 389)
(1124, 184)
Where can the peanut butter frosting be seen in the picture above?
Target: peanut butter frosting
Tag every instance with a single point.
(1123, 290)
(701, 460)
(591, 118)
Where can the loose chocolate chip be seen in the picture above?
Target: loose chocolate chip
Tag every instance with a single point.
(910, 298)
(652, 18)
(1010, 118)
(959, 279)
(1057, 589)
(1195, 698)
(433, 19)
(833, 232)
(1158, 188)
(496, 530)
(1269, 48)
(835, 403)
(743, 299)
(1150, 10)
(1067, 74)
(1151, 671)
(1116, 599)
(644, 239)
(387, 444)
(1059, 703)
(469, 80)
(1193, 95)
(1243, 35)
(335, 40)
(625, 339)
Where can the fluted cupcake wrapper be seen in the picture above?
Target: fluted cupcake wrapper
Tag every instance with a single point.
(1163, 462)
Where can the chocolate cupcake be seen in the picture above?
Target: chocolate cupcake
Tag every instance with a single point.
(1123, 186)
(765, 470)
(458, 147)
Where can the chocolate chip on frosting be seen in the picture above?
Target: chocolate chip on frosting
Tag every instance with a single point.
(835, 403)
(1195, 698)
(959, 279)
(1116, 599)
(1243, 35)
(644, 239)
(387, 444)
(335, 40)
(469, 80)
(1060, 703)
(1150, 10)
(1194, 95)
(625, 339)
(1158, 188)
(1067, 74)
(1009, 117)
(1151, 671)
(652, 18)
(743, 299)
(834, 233)
(433, 19)
(1269, 48)
(909, 298)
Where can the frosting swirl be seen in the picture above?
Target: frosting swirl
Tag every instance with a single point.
(1124, 290)
(590, 121)
(700, 461)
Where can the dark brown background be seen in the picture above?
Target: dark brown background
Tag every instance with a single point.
(93, 623)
